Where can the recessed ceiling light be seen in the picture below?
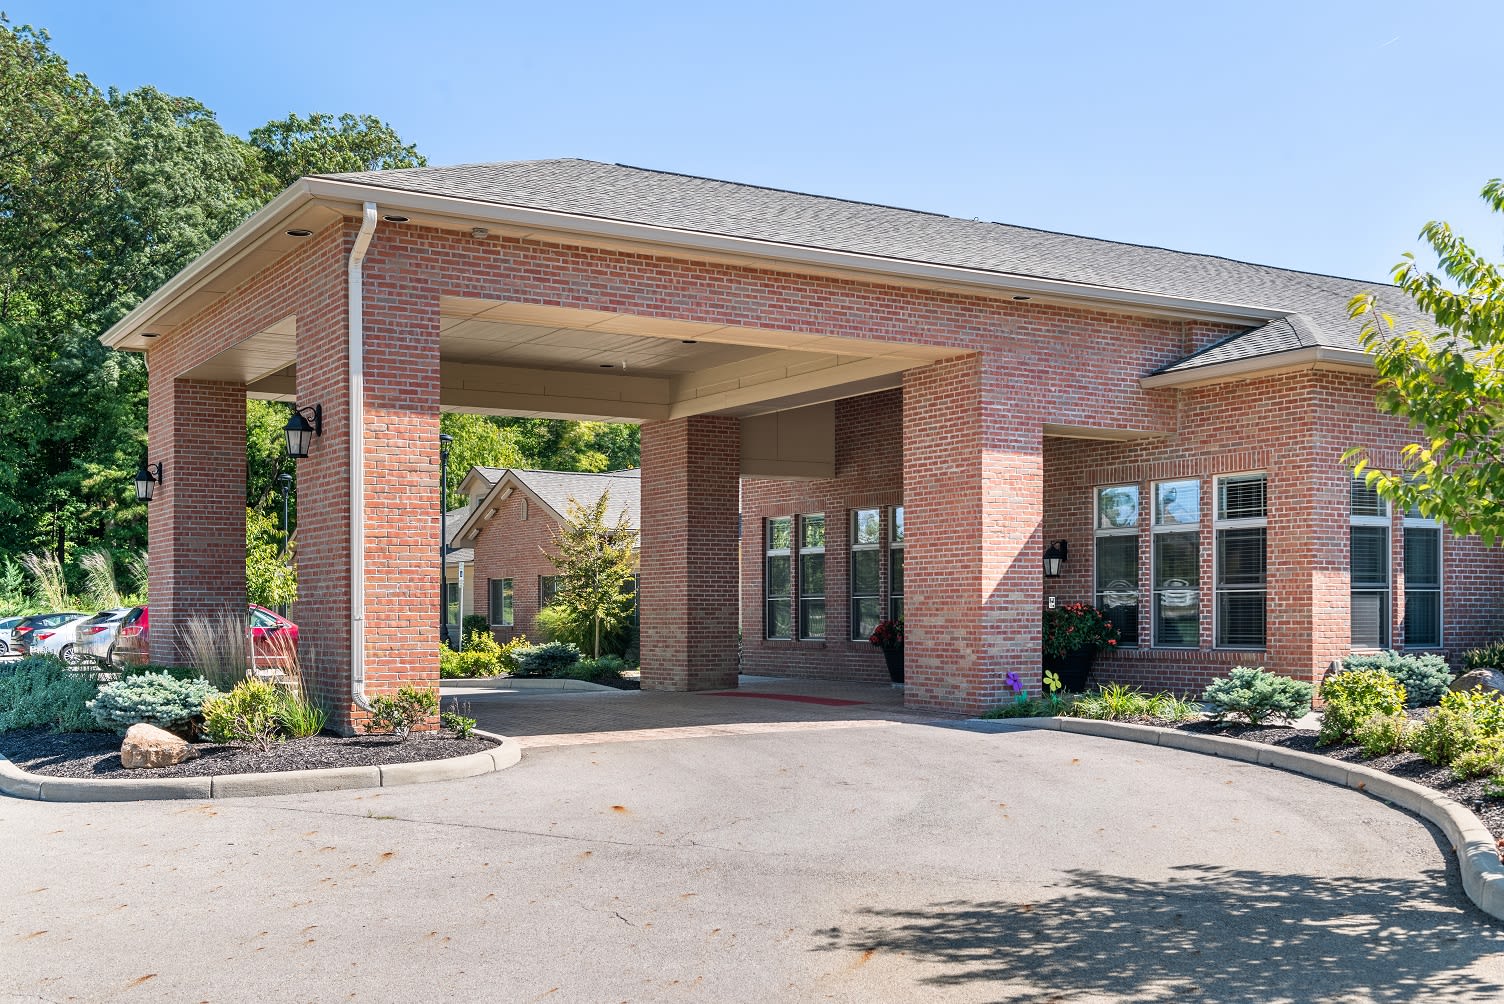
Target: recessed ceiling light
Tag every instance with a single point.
(300, 232)
(688, 341)
(605, 366)
(150, 334)
(1023, 298)
(394, 218)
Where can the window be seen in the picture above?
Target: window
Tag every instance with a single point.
(1117, 558)
(812, 577)
(1368, 565)
(778, 585)
(895, 563)
(1175, 558)
(501, 602)
(548, 588)
(1241, 577)
(866, 562)
(1422, 581)
(452, 603)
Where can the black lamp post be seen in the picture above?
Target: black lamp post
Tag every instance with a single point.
(444, 441)
(284, 481)
(147, 479)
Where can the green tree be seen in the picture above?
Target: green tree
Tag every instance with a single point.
(322, 144)
(596, 561)
(1448, 383)
(478, 442)
(270, 578)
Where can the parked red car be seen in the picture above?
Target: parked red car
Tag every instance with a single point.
(273, 637)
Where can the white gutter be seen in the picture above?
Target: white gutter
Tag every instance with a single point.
(358, 460)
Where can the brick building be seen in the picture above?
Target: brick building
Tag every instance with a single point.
(510, 525)
(814, 373)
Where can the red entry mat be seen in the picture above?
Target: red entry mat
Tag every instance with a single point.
(832, 702)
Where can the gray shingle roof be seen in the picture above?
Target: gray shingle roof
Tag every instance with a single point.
(556, 488)
(659, 198)
(453, 520)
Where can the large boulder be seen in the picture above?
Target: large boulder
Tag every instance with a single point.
(1488, 679)
(147, 746)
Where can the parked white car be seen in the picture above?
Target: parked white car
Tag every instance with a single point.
(58, 641)
(94, 637)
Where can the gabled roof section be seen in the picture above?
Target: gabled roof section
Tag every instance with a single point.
(554, 489)
(685, 202)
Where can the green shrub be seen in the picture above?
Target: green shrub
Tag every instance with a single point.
(475, 624)
(509, 652)
(607, 669)
(1117, 702)
(1166, 707)
(559, 623)
(1380, 735)
(1445, 735)
(1257, 695)
(1350, 698)
(398, 713)
(458, 724)
(481, 656)
(1490, 656)
(41, 692)
(1424, 677)
(155, 698)
(1030, 708)
(299, 717)
(1485, 706)
(1484, 759)
(547, 660)
(248, 714)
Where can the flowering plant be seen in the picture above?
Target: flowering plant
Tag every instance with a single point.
(888, 634)
(1076, 625)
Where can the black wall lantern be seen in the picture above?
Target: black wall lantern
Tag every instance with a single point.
(1054, 557)
(147, 479)
(300, 431)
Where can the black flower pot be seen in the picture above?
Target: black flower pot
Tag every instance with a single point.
(1073, 668)
(893, 656)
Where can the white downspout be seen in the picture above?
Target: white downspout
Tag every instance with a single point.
(358, 461)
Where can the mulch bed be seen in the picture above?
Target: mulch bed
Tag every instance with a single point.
(1471, 793)
(97, 754)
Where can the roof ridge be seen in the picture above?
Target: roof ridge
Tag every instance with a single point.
(785, 191)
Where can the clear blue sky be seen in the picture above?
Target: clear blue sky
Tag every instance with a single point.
(1317, 135)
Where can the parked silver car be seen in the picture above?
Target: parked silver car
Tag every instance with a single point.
(94, 638)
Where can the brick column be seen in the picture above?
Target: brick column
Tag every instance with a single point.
(973, 488)
(1309, 582)
(690, 481)
(400, 630)
(196, 521)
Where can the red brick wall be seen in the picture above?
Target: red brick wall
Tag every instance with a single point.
(688, 589)
(869, 438)
(510, 547)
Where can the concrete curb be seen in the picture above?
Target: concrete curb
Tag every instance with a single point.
(18, 783)
(524, 683)
(1477, 851)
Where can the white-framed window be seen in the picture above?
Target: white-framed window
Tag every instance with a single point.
(1175, 562)
(1422, 581)
(895, 563)
(452, 603)
(1368, 566)
(778, 580)
(866, 572)
(501, 603)
(1240, 561)
(1117, 522)
(812, 577)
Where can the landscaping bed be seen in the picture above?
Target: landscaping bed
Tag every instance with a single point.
(96, 755)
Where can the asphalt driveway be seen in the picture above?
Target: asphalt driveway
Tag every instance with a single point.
(889, 861)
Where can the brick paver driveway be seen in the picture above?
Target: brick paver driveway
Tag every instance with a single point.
(894, 861)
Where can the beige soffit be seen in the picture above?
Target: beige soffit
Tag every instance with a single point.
(1314, 357)
(509, 480)
(347, 197)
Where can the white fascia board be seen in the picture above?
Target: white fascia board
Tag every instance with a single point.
(1314, 357)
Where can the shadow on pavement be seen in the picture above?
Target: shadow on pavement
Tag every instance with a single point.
(1211, 933)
